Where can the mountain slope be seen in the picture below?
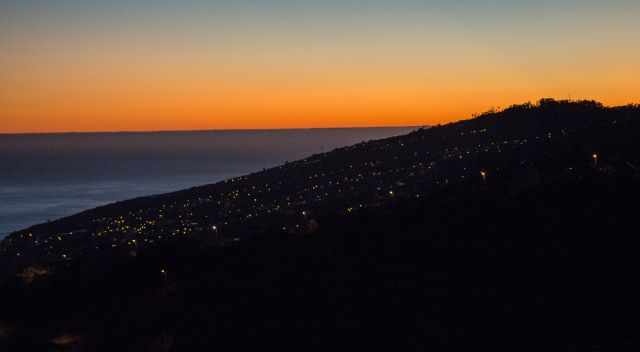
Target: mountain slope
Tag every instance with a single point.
(511, 231)
(363, 175)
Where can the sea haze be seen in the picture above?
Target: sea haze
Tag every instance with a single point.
(48, 176)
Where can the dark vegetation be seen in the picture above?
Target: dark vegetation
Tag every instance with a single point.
(516, 230)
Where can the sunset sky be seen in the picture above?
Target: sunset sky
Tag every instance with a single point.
(68, 65)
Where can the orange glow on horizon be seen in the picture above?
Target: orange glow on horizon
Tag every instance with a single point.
(283, 112)
(417, 68)
(167, 97)
(93, 101)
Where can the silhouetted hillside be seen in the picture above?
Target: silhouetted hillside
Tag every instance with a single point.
(510, 231)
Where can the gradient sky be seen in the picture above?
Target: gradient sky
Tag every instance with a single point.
(68, 65)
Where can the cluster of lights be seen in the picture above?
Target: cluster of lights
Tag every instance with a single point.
(225, 207)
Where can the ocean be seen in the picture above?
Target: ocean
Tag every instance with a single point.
(48, 176)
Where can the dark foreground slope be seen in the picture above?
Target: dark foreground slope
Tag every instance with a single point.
(539, 254)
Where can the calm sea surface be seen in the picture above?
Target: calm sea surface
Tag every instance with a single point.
(45, 177)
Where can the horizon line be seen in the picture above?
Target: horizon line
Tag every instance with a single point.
(207, 130)
(259, 129)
